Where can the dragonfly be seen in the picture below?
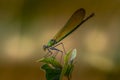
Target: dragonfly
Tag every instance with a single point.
(75, 21)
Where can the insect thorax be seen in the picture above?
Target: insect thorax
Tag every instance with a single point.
(51, 42)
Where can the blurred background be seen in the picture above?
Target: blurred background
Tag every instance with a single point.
(26, 25)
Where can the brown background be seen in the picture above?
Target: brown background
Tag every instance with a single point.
(26, 25)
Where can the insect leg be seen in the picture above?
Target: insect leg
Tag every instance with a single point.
(57, 50)
(48, 53)
(62, 46)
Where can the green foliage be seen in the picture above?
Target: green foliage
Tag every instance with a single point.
(52, 61)
(51, 73)
(56, 70)
(68, 65)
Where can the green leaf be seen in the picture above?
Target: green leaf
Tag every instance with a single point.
(52, 61)
(69, 70)
(52, 74)
(66, 57)
(73, 56)
(55, 70)
(68, 64)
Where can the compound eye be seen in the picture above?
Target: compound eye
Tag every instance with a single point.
(44, 47)
(53, 41)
